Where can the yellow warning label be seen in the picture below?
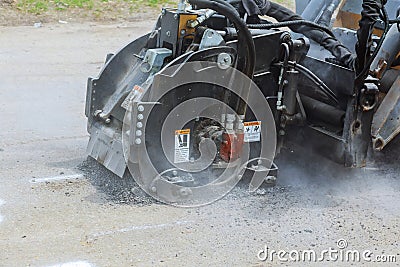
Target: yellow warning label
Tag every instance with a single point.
(252, 123)
(252, 131)
(182, 146)
(186, 131)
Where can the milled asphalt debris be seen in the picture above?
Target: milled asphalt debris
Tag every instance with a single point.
(126, 191)
(117, 190)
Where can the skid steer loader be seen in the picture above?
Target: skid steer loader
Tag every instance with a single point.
(217, 88)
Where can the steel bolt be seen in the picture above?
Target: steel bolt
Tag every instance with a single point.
(138, 141)
(140, 108)
(140, 116)
(139, 125)
(138, 133)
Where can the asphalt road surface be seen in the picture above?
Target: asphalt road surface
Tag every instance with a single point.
(53, 214)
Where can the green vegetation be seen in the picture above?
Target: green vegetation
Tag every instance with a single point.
(41, 6)
(33, 6)
(105, 10)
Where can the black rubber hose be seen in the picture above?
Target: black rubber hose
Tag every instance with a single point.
(364, 27)
(234, 2)
(309, 74)
(228, 4)
(385, 32)
(320, 35)
(315, 79)
(291, 23)
(321, 111)
(246, 47)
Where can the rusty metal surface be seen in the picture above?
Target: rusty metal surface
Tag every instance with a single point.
(388, 52)
(386, 122)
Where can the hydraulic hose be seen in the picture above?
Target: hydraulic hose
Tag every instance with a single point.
(228, 4)
(314, 78)
(318, 33)
(370, 16)
(291, 23)
(246, 47)
(309, 74)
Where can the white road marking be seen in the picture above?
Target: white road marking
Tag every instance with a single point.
(57, 178)
(95, 236)
(73, 264)
(1, 203)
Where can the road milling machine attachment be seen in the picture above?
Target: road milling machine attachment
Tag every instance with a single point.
(214, 92)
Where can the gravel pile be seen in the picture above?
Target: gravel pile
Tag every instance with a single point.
(117, 190)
